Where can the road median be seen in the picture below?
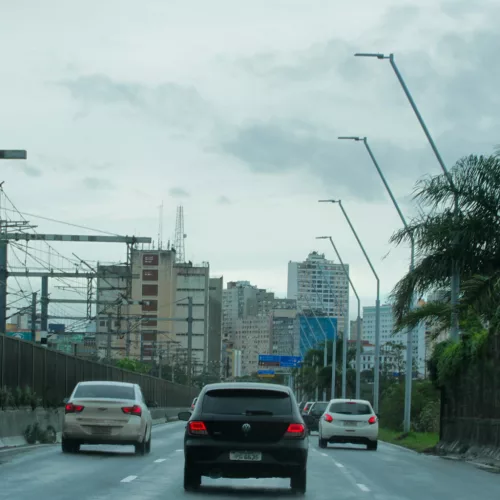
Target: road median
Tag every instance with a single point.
(421, 442)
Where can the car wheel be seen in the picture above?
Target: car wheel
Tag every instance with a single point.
(298, 481)
(140, 448)
(69, 446)
(372, 446)
(148, 445)
(192, 479)
(323, 443)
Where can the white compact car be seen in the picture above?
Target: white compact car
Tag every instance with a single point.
(106, 413)
(349, 421)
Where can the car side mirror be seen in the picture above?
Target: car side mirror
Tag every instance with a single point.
(184, 416)
(65, 401)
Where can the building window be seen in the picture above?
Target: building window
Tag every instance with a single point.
(149, 290)
(149, 337)
(150, 275)
(150, 259)
(150, 305)
(150, 321)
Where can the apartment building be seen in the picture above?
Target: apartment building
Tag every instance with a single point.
(284, 328)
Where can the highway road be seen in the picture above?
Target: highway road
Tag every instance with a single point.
(337, 473)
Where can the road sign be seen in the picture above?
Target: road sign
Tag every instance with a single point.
(290, 361)
(13, 154)
(265, 373)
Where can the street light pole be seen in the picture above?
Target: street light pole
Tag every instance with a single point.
(409, 333)
(376, 381)
(455, 271)
(358, 321)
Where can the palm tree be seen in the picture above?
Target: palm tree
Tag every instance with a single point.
(472, 239)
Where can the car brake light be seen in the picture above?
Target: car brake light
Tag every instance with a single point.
(372, 419)
(197, 428)
(71, 408)
(295, 431)
(132, 410)
(328, 417)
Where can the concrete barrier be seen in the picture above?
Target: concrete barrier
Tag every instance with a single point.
(13, 423)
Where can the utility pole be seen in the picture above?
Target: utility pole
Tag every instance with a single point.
(44, 301)
(108, 346)
(33, 317)
(190, 341)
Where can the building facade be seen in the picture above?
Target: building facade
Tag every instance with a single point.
(321, 285)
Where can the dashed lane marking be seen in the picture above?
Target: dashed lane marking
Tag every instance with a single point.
(160, 460)
(128, 479)
(338, 465)
(325, 454)
(179, 450)
(362, 487)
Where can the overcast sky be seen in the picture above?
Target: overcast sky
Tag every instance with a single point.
(232, 108)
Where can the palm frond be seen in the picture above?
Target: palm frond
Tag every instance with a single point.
(436, 314)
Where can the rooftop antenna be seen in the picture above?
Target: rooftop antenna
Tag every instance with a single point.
(179, 246)
(160, 228)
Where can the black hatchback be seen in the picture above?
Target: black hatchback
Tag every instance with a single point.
(245, 430)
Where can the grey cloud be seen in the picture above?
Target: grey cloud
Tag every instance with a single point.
(31, 170)
(223, 200)
(283, 146)
(178, 192)
(169, 103)
(95, 183)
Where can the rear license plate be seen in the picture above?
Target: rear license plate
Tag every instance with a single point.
(348, 423)
(101, 431)
(245, 456)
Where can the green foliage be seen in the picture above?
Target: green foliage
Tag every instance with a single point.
(133, 365)
(34, 433)
(425, 407)
(20, 397)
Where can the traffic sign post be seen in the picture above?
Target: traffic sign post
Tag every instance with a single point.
(13, 154)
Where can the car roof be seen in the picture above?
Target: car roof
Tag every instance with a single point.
(106, 382)
(361, 401)
(247, 385)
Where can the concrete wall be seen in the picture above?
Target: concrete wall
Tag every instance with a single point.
(13, 423)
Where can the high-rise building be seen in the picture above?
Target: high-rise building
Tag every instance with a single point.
(285, 328)
(354, 329)
(252, 337)
(215, 320)
(388, 337)
(320, 285)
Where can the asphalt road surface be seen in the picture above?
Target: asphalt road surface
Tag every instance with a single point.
(337, 473)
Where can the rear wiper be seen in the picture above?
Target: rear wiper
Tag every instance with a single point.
(258, 412)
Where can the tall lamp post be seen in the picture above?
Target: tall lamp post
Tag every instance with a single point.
(455, 271)
(358, 321)
(376, 378)
(409, 333)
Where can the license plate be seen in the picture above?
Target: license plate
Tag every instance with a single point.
(246, 456)
(348, 423)
(101, 430)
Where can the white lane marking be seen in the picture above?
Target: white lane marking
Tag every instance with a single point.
(362, 487)
(338, 465)
(160, 460)
(128, 479)
(179, 450)
(324, 454)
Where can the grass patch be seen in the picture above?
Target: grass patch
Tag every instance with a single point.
(423, 442)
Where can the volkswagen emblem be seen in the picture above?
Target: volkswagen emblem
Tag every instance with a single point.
(246, 428)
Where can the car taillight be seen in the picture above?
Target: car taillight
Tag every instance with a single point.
(295, 431)
(328, 417)
(71, 408)
(196, 428)
(132, 410)
(372, 419)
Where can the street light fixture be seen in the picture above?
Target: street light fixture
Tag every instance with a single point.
(376, 378)
(358, 321)
(455, 272)
(13, 154)
(409, 334)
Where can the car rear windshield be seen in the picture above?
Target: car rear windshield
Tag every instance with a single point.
(319, 408)
(350, 408)
(247, 402)
(105, 391)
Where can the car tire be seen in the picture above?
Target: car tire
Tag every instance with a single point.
(298, 481)
(140, 448)
(372, 446)
(192, 478)
(323, 443)
(69, 446)
(148, 444)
